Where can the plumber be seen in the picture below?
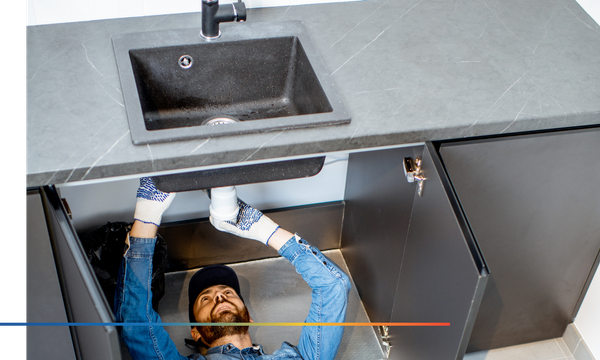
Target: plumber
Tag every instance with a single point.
(214, 291)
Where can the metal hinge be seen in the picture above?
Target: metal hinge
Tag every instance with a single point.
(67, 208)
(412, 171)
(385, 340)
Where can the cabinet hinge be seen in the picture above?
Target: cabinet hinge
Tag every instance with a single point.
(384, 340)
(412, 171)
(67, 208)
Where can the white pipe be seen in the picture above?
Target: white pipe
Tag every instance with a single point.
(223, 204)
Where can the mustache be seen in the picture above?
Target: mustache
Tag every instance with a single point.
(233, 307)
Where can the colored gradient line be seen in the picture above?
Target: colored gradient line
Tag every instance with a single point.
(333, 324)
(231, 324)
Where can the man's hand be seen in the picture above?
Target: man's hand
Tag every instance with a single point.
(151, 203)
(250, 224)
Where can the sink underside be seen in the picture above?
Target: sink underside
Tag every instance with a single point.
(266, 76)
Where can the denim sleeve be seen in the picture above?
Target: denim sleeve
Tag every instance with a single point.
(330, 288)
(133, 304)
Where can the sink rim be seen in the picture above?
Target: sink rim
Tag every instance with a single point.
(122, 43)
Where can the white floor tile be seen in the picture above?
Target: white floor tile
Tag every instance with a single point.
(541, 350)
(563, 346)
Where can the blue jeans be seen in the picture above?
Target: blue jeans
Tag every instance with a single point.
(330, 288)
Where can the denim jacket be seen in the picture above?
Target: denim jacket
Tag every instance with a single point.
(330, 288)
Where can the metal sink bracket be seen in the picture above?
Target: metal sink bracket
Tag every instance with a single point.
(412, 171)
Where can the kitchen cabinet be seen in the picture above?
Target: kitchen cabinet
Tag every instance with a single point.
(528, 209)
(499, 228)
(533, 204)
(455, 274)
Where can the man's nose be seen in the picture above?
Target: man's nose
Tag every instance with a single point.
(220, 297)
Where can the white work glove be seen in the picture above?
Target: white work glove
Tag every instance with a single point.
(251, 224)
(151, 203)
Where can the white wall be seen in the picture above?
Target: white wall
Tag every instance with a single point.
(60, 11)
(592, 7)
(588, 318)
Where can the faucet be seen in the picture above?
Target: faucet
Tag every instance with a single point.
(213, 14)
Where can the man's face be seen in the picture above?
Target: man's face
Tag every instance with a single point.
(220, 304)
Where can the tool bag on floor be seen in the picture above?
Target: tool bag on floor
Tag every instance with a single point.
(104, 247)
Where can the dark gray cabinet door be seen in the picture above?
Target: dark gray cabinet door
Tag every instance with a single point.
(442, 276)
(376, 220)
(533, 203)
(81, 291)
(412, 257)
(45, 303)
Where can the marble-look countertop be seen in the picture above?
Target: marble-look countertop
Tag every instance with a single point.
(408, 70)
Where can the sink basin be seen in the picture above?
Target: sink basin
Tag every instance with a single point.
(255, 78)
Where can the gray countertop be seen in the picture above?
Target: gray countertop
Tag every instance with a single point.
(408, 71)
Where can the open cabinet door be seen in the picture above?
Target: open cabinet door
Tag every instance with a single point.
(45, 303)
(84, 301)
(442, 276)
(415, 252)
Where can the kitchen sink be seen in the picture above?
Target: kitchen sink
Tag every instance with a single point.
(255, 78)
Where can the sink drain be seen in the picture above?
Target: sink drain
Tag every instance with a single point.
(186, 61)
(220, 120)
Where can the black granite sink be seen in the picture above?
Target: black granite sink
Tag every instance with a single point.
(261, 77)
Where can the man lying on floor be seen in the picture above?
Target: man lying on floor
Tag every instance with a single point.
(214, 291)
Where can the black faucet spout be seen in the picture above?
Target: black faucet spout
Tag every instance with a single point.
(213, 14)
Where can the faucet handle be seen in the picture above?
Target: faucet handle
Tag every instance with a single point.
(239, 9)
(213, 15)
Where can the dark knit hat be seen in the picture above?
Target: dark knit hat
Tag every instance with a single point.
(210, 276)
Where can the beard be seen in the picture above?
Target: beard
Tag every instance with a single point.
(210, 334)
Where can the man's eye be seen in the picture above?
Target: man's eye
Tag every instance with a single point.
(204, 298)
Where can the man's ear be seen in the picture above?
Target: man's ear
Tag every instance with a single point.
(195, 334)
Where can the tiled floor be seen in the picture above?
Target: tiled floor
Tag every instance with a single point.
(568, 347)
(555, 349)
